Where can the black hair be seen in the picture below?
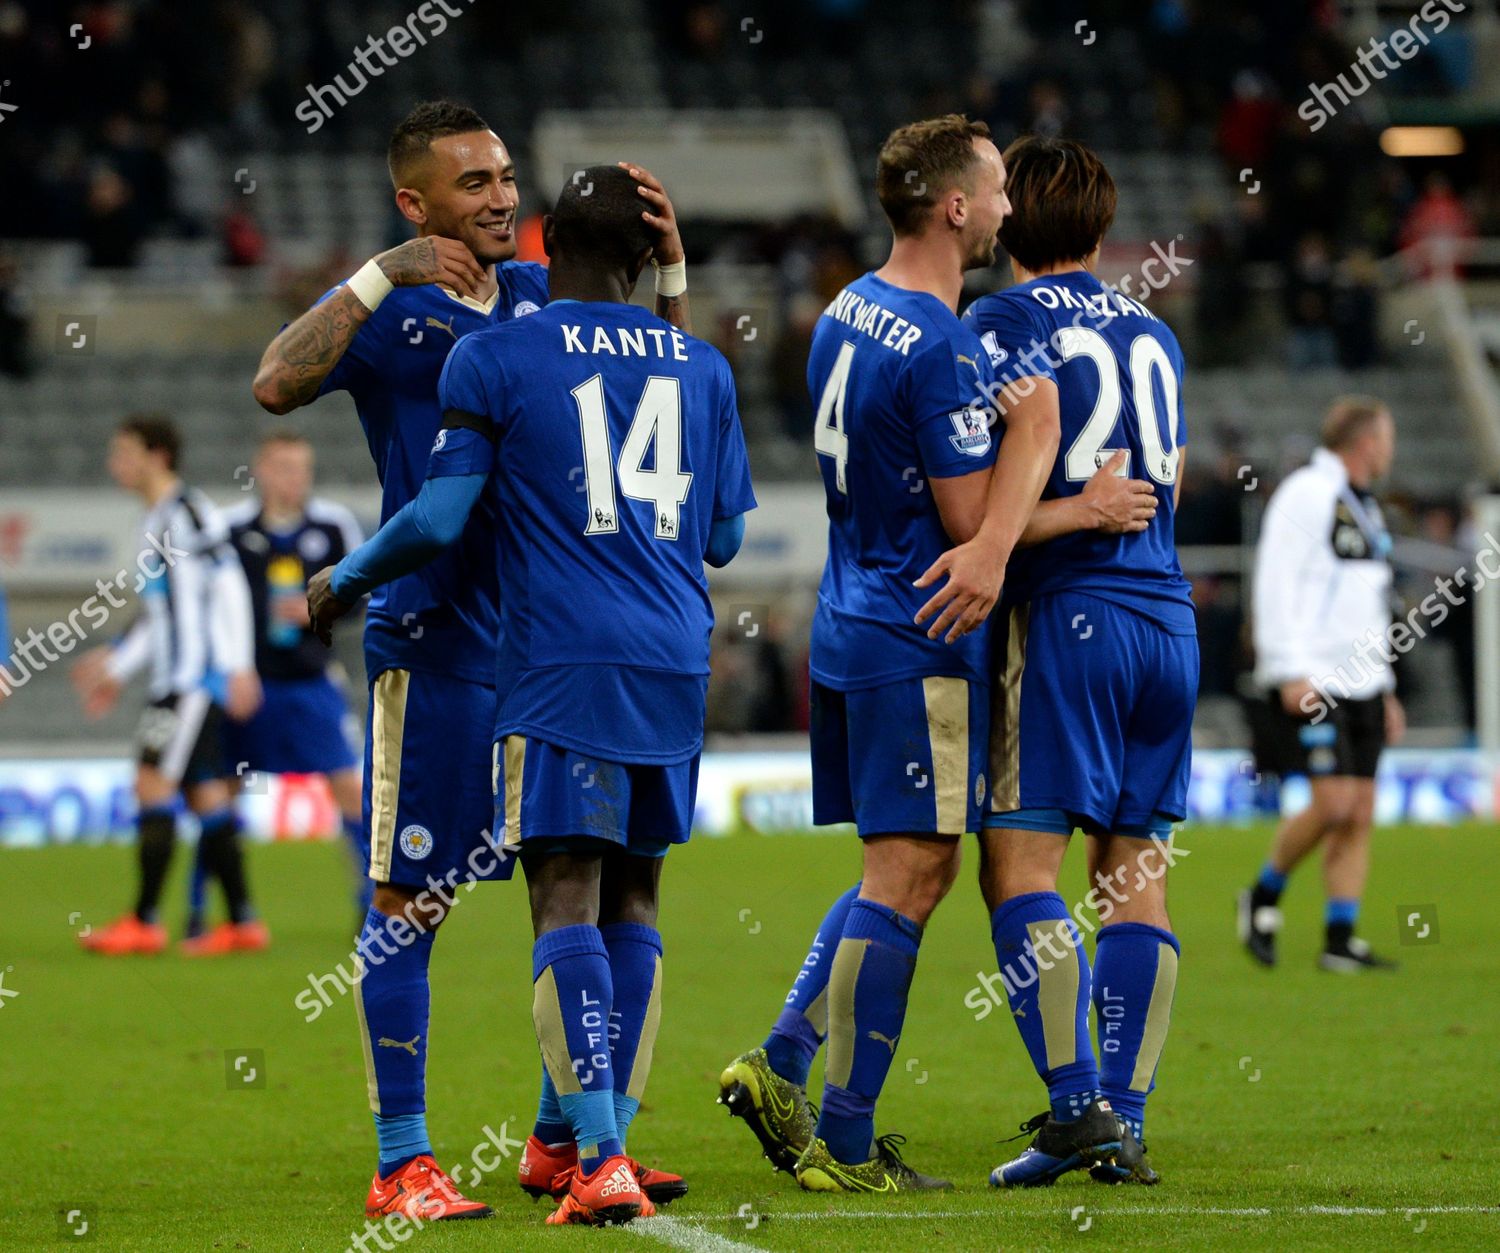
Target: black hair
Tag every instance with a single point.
(598, 216)
(432, 119)
(157, 432)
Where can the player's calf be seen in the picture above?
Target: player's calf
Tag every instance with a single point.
(1135, 973)
(1048, 982)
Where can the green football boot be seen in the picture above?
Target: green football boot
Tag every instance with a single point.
(819, 1171)
(776, 1109)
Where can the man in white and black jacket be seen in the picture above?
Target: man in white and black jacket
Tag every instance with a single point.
(1322, 614)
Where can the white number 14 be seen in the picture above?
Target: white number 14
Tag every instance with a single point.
(658, 420)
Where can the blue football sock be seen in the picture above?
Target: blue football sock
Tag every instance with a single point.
(1046, 976)
(551, 1127)
(402, 1137)
(1135, 974)
(392, 1002)
(198, 889)
(1341, 911)
(572, 998)
(635, 954)
(354, 836)
(1272, 880)
(868, 984)
(803, 1024)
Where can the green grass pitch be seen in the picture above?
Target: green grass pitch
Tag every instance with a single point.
(1296, 1109)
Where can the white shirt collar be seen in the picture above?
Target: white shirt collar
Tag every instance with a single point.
(484, 306)
(1331, 464)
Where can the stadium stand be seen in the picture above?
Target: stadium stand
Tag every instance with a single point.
(220, 216)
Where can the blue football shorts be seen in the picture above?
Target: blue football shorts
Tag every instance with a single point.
(549, 798)
(903, 758)
(1092, 719)
(427, 797)
(302, 727)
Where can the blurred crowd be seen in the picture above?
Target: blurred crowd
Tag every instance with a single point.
(107, 162)
(1289, 271)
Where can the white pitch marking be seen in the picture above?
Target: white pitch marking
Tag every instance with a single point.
(680, 1234)
(1372, 1211)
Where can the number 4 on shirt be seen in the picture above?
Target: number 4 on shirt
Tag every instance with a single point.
(658, 419)
(828, 433)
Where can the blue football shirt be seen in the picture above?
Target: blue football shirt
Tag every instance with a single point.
(613, 443)
(1118, 371)
(444, 617)
(899, 385)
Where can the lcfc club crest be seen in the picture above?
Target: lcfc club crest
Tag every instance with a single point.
(525, 307)
(416, 842)
(972, 432)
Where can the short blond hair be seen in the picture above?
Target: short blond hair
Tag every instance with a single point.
(921, 161)
(1348, 418)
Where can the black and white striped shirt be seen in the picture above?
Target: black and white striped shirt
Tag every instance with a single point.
(195, 626)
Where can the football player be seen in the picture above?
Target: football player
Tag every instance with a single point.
(383, 337)
(899, 716)
(283, 534)
(1098, 659)
(194, 640)
(604, 525)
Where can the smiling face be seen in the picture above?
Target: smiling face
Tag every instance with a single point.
(987, 207)
(465, 188)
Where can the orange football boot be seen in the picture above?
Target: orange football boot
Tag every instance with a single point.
(251, 936)
(227, 937)
(126, 936)
(421, 1190)
(660, 1186)
(545, 1171)
(610, 1195)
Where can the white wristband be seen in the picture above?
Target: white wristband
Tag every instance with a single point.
(671, 280)
(370, 284)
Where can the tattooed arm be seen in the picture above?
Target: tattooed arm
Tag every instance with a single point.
(304, 354)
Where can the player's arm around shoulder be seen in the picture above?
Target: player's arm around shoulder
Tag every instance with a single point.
(302, 356)
(975, 569)
(946, 388)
